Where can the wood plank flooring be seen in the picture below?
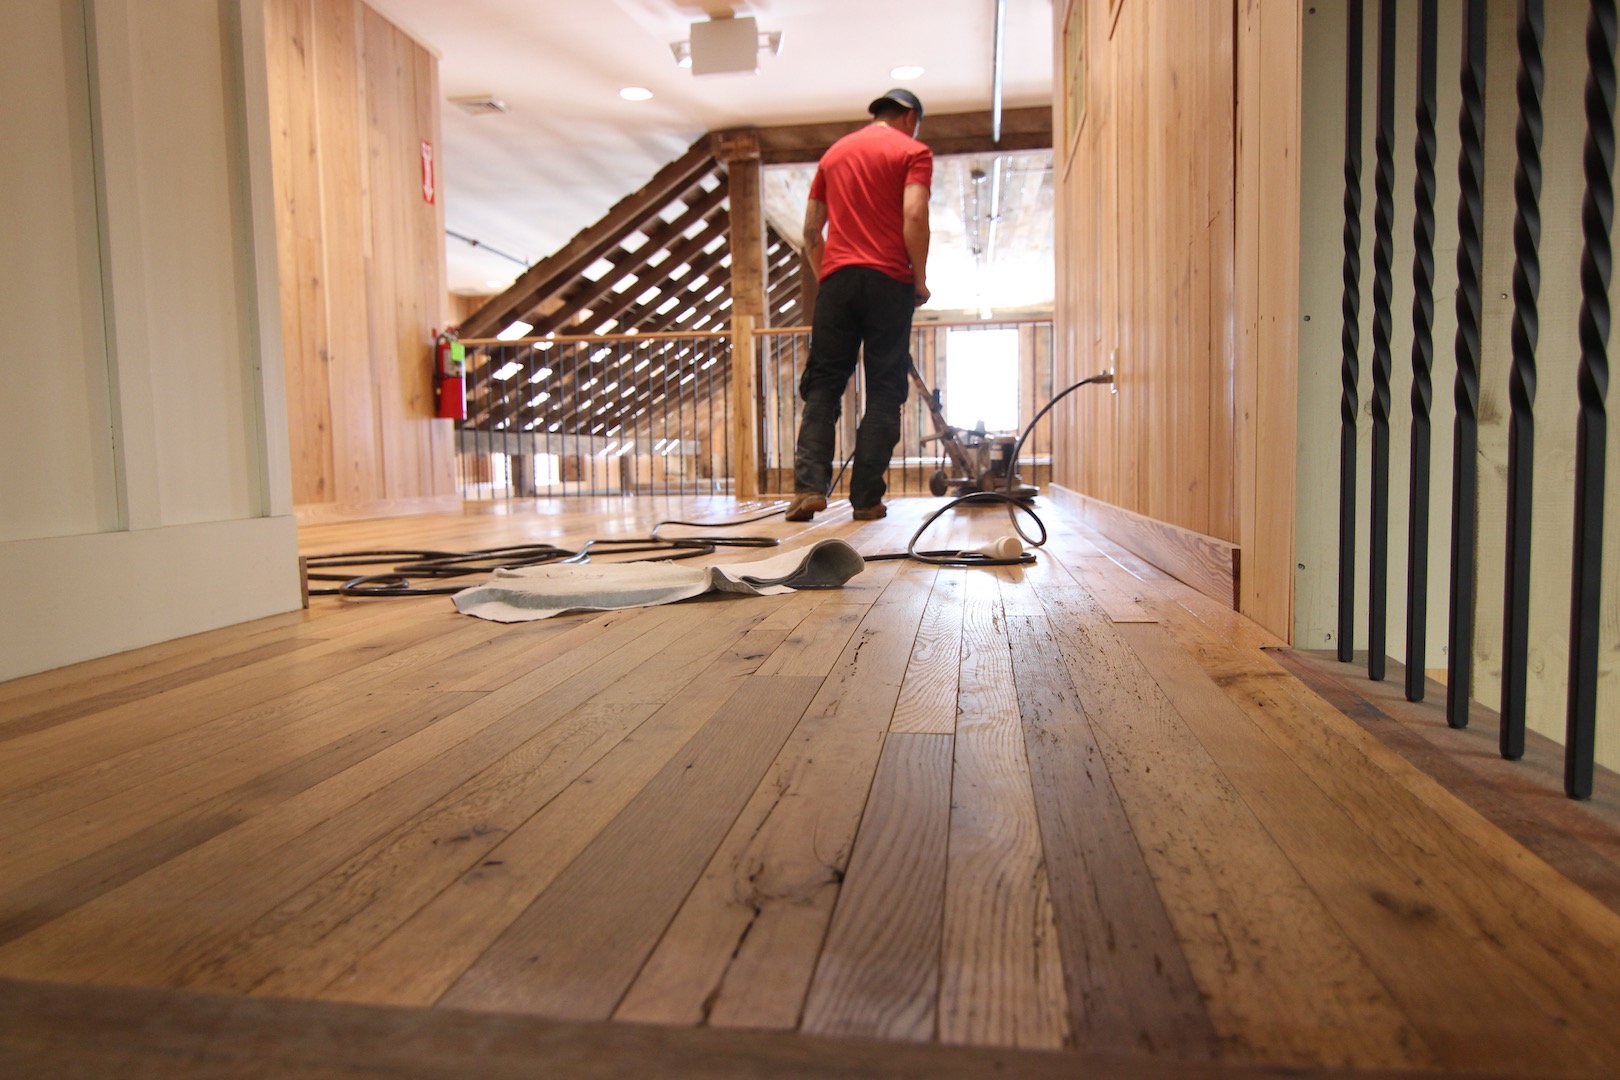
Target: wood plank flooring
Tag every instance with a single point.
(1077, 808)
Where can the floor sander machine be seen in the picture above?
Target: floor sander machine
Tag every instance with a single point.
(981, 460)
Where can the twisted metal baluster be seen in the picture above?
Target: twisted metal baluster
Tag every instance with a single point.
(1465, 431)
(1383, 256)
(1592, 387)
(1417, 534)
(1350, 335)
(1522, 378)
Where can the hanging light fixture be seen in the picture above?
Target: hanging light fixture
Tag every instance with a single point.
(725, 46)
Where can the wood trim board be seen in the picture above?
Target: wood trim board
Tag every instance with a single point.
(324, 513)
(52, 1030)
(1211, 565)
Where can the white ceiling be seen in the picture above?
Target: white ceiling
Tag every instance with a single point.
(570, 147)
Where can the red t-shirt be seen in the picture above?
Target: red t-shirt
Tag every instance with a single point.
(862, 179)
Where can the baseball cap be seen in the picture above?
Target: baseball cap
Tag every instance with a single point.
(899, 96)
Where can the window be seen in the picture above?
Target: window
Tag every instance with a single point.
(981, 379)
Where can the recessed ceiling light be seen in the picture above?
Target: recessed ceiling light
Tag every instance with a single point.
(494, 283)
(635, 93)
(908, 71)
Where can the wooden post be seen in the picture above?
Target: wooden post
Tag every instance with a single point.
(744, 460)
(740, 153)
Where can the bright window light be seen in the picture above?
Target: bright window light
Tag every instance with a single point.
(981, 379)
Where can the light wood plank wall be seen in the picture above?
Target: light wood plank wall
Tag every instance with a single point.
(1177, 265)
(362, 259)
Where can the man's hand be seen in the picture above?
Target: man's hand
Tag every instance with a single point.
(922, 293)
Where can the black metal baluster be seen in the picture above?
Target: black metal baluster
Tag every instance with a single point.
(506, 409)
(1350, 334)
(1383, 256)
(1417, 533)
(1465, 431)
(584, 460)
(1592, 387)
(725, 411)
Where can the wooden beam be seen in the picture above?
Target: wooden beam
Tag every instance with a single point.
(747, 225)
(633, 263)
(552, 274)
(650, 322)
(948, 133)
(615, 305)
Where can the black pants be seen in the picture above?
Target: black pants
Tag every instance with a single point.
(856, 305)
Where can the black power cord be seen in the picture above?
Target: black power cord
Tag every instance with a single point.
(657, 548)
(1006, 498)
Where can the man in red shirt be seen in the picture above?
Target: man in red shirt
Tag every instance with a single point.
(870, 195)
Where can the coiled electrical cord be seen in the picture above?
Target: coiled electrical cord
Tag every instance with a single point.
(657, 548)
(1014, 506)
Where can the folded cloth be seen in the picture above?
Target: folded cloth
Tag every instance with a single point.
(539, 592)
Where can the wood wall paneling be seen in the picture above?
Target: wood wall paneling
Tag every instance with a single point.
(362, 259)
(1177, 266)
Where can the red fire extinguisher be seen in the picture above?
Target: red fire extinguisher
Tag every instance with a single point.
(449, 375)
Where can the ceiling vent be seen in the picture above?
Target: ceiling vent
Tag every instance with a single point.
(479, 104)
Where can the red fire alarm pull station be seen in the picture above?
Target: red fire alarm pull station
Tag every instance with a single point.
(429, 192)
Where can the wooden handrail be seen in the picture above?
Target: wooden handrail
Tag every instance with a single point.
(1018, 320)
(772, 331)
(593, 339)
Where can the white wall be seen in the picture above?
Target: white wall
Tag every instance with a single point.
(146, 492)
(55, 419)
(1322, 219)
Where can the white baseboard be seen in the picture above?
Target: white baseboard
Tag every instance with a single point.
(72, 598)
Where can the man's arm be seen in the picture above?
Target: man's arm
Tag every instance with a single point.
(915, 227)
(815, 223)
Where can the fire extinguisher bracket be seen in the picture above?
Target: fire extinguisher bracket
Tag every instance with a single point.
(449, 376)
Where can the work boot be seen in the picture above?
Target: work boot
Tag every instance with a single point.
(806, 505)
(870, 513)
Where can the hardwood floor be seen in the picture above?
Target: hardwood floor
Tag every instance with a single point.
(1078, 807)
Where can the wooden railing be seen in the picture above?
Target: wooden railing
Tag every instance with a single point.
(674, 413)
(782, 355)
(597, 415)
